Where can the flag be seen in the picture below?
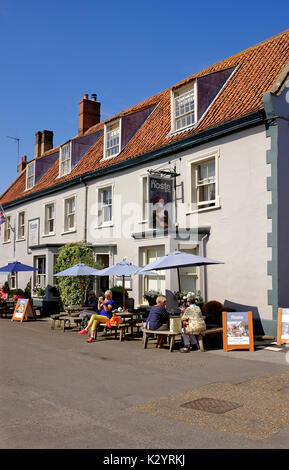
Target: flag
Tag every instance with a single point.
(2, 217)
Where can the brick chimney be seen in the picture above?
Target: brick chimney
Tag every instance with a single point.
(43, 142)
(46, 141)
(89, 113)
(22, 164)
(37, 151)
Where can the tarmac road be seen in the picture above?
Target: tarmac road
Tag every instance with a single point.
(59, 392)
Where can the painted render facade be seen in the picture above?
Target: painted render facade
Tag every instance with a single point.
(247, 228)
(237, 229)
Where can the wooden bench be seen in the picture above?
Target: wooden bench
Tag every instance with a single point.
(65, 320)
(171, 335)
(147, 333)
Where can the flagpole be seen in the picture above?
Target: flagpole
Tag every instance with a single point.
(13, 229)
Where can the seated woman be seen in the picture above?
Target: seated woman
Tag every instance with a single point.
(3, 293)
(158, 318)
(193, 324)
(104, 309)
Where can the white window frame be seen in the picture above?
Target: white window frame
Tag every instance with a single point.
(100, 191)
(159, 277)
(20, 226)
(192, 163)
(12, 280)
(106, 130)
(143, 203)
(40, 278)
(7, 229)
(62, 161)
(46, 231)
(68, 229)
(28, 178)
(174, 94)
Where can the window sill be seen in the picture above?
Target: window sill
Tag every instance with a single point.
(69, 231)
(5, 243)
(206, 209)
(20, 239)
(180, 131)
(52, 234)
(104, 226)
(109, 158)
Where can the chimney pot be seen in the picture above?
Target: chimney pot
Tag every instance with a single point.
(85, 96)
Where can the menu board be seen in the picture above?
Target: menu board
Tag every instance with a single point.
(238, 331)
(283, 326)
(24, 310)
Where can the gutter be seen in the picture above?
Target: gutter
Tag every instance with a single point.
(249, 120)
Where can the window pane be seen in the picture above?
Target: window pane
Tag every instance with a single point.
(112, 139)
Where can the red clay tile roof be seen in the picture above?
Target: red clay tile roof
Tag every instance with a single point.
(257, 69)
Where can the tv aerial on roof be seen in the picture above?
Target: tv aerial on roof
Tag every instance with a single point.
(17, 139)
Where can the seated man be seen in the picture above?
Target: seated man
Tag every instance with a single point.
(158, 318)
(90, 299)
(104, 314)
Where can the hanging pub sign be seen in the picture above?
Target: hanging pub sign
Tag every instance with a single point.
(24, 310)
(283, 326)
(160, 202)
(238, 331)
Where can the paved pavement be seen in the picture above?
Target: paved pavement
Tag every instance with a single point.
(57, 391)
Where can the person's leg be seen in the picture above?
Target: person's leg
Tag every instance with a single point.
(85, 330)
(193, 341)
(186, 340)
(161, 338)
(95, 321)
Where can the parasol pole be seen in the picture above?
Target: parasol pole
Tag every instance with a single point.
(179, 279)
(81, 289)
(123, 293)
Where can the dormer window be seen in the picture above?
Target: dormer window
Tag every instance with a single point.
(30, 175)
(112, 139)
(65, 159)
(184, 107)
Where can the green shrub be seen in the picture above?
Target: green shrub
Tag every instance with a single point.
(69, 286)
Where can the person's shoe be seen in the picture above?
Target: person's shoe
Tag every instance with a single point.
(82, 332)
(91, 339)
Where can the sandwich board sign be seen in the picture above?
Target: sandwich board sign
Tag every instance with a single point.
(24, 310)
(238, 331)
(283, 326)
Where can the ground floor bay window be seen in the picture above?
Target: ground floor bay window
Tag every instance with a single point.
(189, 274)
(40, 274)
(155, 282)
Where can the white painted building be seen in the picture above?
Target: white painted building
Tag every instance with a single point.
(217, 138)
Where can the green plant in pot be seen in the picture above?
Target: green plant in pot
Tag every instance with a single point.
(151, 296)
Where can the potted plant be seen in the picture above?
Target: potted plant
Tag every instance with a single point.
(181, 297)
(38, 291)
(151, 296)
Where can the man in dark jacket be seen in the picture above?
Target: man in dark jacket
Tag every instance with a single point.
(158, 319)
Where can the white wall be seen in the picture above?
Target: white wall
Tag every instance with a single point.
(239, 227)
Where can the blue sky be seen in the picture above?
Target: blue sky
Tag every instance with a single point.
(125, 51)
